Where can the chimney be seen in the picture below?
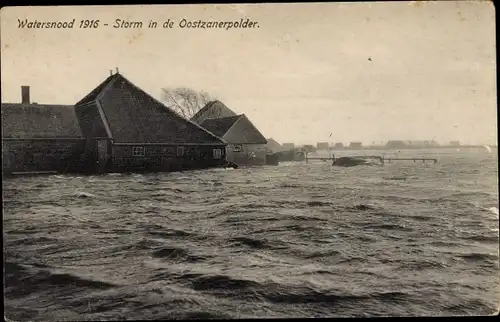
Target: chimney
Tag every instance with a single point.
(117, 71)
(25, 94)
(110, 72)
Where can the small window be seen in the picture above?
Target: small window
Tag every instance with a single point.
(138, 151)
(237, 148)
(217, 153)
(180, 151)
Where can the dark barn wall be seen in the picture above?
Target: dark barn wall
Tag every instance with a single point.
(164, 158)
(29, 155)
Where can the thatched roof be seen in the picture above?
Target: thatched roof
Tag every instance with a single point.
(219, 126)
(235, 130)
(39, 121)
(213, 110)
(133, 116)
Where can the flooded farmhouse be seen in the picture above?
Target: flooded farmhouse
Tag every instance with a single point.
(245, 144)
(41, 138)
(117, 127)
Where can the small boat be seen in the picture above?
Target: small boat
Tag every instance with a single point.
(349, 162)
(360, 160)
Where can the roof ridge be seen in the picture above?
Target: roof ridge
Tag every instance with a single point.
(111, 81)
(238, 118)
(253, 125)
(200, 111)
(93, 91)
(235, 117)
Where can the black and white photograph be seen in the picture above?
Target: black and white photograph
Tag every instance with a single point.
(264, 160)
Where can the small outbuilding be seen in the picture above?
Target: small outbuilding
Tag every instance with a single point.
(245, 144)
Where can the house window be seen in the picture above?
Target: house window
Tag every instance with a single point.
(138, 151)
(180, 151)
(237, 148)
(217, 153)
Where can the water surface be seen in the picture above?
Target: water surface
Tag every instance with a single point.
(294, 240)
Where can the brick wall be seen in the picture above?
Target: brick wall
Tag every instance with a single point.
(57, 155)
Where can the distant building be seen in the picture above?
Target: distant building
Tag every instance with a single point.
(212, 110)
(396, 144)
(245, 144)
(309, 148)
(273, 146)
(421, 144)
(338, 145)
(355, 145)
(288, 146)
(455, 143)
(322, 146)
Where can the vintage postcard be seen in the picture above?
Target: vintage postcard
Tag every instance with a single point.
(249, 160)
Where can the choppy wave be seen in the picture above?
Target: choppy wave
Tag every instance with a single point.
(493, 210)
(296, 240)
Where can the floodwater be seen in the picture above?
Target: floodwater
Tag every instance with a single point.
(294, 240)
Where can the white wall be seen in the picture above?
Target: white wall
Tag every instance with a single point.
(250, 154)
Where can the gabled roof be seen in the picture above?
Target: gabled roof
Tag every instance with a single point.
(133, 116)
(214, 109)
(219, 126)
(236, 130)
(274, 145)
(92, 96)
(39, 121)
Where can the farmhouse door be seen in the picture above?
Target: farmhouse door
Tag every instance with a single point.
(102, 155)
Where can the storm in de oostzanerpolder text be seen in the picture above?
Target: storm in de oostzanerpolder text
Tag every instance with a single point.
(127, 24)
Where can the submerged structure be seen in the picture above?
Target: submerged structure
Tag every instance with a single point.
(116, 127)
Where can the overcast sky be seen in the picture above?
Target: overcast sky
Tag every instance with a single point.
(335, 72)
